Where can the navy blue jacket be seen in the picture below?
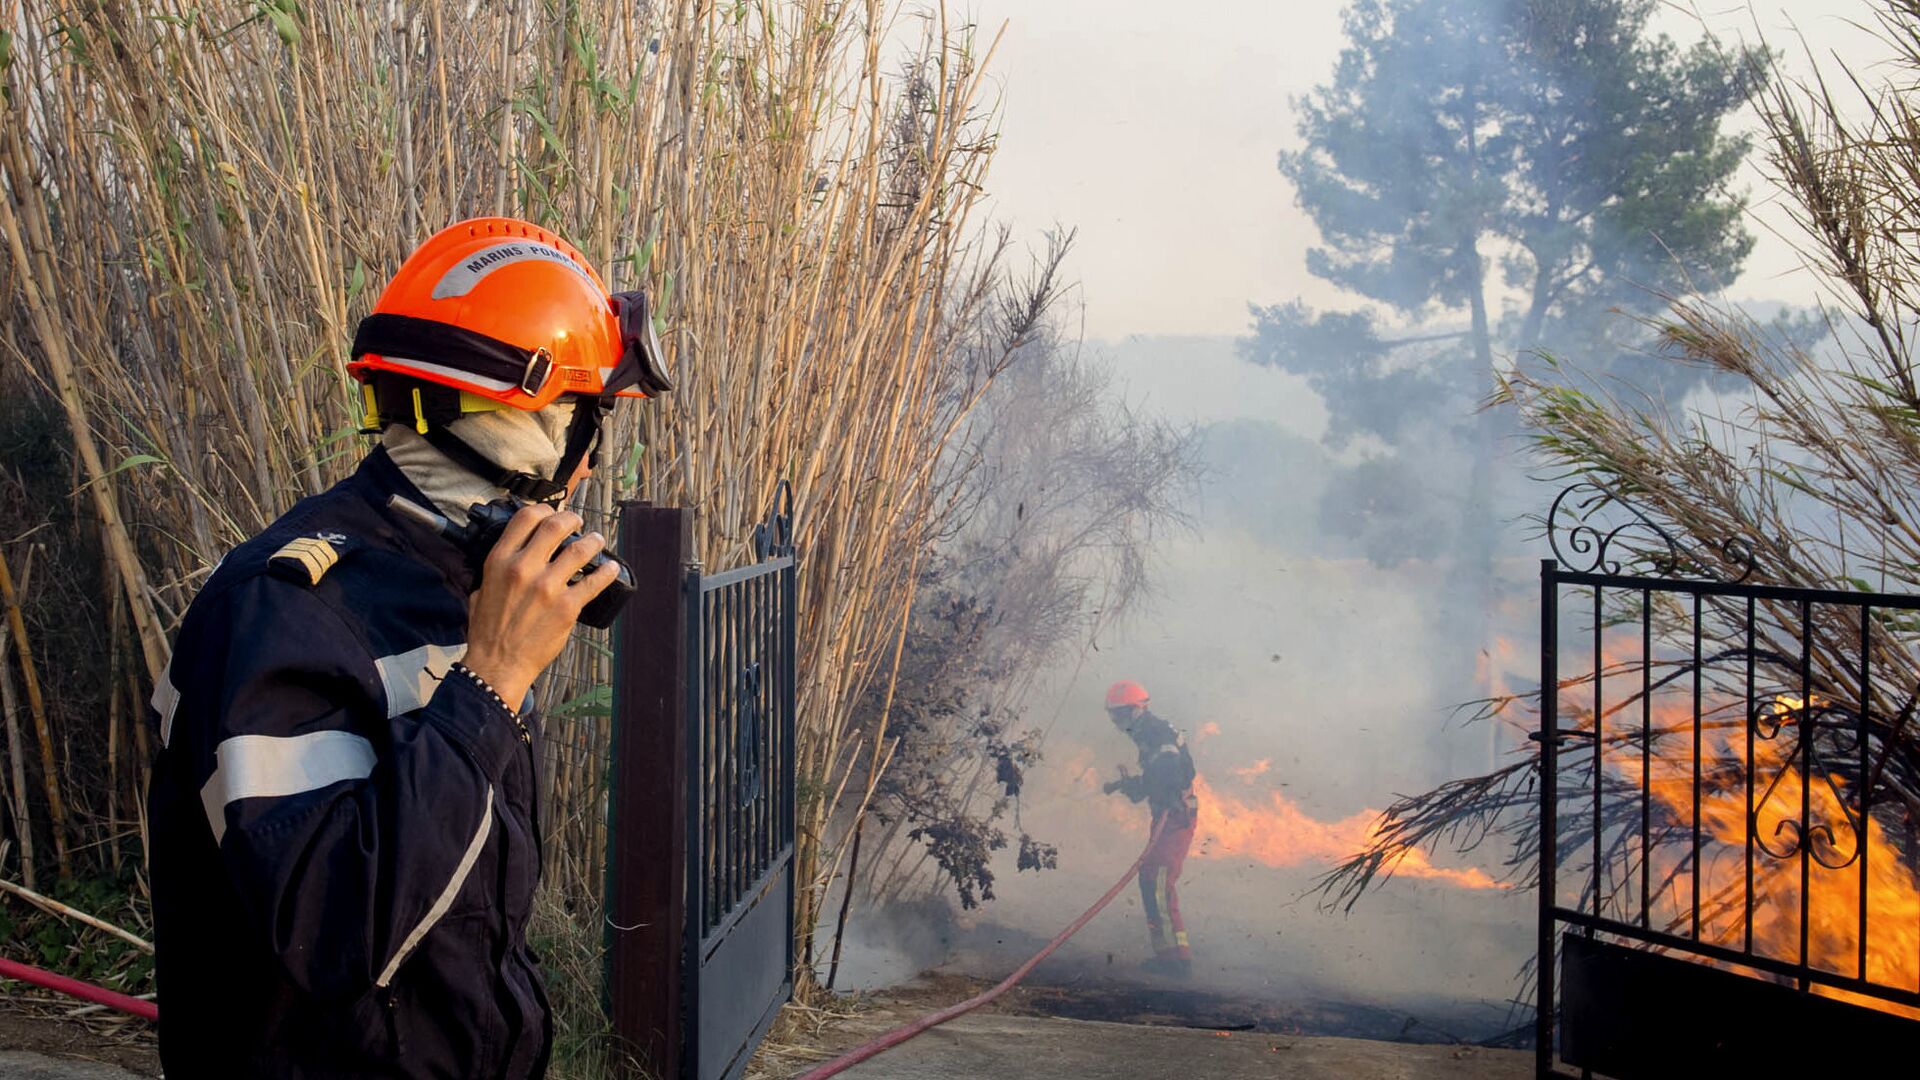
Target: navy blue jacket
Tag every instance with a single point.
(1166, 774)
(345, 839)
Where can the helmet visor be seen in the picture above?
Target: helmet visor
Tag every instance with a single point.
(640, 371)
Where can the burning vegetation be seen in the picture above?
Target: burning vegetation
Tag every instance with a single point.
(1752, 769)
(1757, 777)
(1271, 829)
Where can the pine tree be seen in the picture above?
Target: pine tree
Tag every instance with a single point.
(1557, 143)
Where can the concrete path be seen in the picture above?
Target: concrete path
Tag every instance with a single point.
(1018, 1047)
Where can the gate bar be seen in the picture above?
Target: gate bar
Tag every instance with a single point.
(1549, 854)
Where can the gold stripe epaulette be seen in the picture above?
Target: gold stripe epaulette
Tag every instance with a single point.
(306, 559)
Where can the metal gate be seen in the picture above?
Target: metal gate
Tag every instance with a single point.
(700, 905)
(1727, 865)
(740, 809)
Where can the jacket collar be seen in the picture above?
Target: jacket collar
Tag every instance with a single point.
(1150, 733)
(378, 479)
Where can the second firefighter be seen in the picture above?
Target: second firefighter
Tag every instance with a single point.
(1165, 784)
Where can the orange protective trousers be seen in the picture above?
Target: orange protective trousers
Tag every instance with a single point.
(1160, 893)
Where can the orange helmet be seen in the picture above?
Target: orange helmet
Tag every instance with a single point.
(499, 313)
(1126, 692)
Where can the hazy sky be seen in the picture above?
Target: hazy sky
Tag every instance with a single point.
(1153, 128)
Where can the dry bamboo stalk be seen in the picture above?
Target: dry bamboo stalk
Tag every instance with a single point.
(142, 777)
(451, 197)
(116, 623)
(99, 484)
(780, 294)
(502, 182)
(48, 903)
(37, 709)
(17, 759)
(320, 273)
(113, 772)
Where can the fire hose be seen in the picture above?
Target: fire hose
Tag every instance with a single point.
(147, 1010)
(932, 1020)
(85, 991)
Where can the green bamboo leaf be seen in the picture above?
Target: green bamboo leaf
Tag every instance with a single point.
(343, 451)
(285, 26)
(595, 702)
(1870, 383)
(633, 85)
(1793, 482)
(630, 469)
(581, 43)
(644, 257)
(134, 461)
(547, 134)
(534, 184)
(73, 40)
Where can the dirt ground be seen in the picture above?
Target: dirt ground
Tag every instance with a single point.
(38, 1041)
(1044, 1032)
(1032, 1032)
(1014, 1047)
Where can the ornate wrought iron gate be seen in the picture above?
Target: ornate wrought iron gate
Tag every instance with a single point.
(1726, 873)
(700, 905)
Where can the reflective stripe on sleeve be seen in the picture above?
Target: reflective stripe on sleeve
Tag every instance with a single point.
(409, 678)
(273, 766)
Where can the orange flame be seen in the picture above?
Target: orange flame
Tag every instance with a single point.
(1247, 773)
(1832, 896)
(1207, 730)
(1081, 769)
(1281, 834)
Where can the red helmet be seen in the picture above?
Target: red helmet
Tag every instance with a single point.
(1126, 692)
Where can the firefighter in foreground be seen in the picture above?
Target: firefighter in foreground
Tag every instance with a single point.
(1165, 782)
(345, 824)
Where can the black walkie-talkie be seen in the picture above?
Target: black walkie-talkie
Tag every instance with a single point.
(486, 521)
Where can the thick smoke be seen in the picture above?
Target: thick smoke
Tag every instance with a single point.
(1363, 565)
(1300, 638)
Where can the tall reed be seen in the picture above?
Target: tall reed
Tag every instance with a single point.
(201, 199)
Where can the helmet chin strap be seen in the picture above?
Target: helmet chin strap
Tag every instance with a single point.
(583, 438)
(583, 435)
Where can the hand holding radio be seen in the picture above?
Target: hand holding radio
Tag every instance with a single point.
(534, 584)
(537, 576)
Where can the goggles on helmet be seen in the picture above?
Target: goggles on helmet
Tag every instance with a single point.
(639, 367)
(637, 373)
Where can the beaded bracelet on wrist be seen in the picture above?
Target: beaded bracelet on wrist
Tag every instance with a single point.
(487, 687)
